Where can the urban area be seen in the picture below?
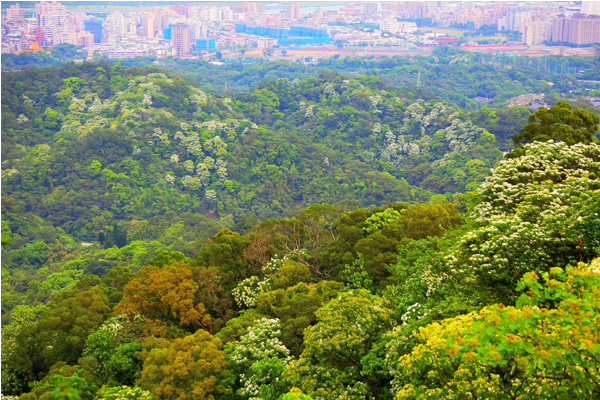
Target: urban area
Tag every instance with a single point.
(230, 29)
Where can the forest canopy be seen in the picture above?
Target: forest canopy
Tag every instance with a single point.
(319, 238)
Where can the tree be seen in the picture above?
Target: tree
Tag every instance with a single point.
(116, 236)
(340, 358)
(125, 393)
(65, 392)
(65, 382)
(193, 367)
(219, 55)
(424, 220)
(559, 123)
(532, 212)
(113, 347)
(213, 293)
(18, 369)
(166, 297)
(259, 360)
(546, 345)
(295, 307)
(64, 328)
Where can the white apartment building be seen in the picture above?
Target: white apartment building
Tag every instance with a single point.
(535, 32)
(52, 18)
(590, 7)
(116, 27)
(394, 26)
(514, 20)
(211, 13)
(15, 14)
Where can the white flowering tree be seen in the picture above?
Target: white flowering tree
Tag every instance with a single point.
(259, 360)
(247, 291)
(534, 211)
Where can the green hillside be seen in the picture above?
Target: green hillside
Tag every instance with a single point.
(323, 238)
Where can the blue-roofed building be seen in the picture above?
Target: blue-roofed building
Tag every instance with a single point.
(294, 35)
(94, 26)
(206, 44)
(167, 32)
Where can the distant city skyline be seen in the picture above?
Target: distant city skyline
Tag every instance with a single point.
(181, 29)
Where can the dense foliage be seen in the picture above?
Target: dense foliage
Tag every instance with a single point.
(318, 239)
(449, 74)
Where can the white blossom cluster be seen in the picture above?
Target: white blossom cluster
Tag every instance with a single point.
(367, 156)
(210, 195)
(198, 97)
(460, 59)
(261, 341)
(261, 355)
(548, 176)
(247, 291)
(416, 311)
(375, 99)
(113, 325)
(532, 211)
(27, 100)
(170, 178)
(271, 268)
(309, 112)
(460, 135)
(329, 90)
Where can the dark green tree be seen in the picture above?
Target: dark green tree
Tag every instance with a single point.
(559, 123)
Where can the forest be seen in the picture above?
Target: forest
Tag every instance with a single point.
(327, 233)
(450, 74)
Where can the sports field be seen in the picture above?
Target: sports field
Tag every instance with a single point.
(443, 31)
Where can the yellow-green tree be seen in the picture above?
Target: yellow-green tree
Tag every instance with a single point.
(342, 357)
(546, 347)
(193, 367)
(165, 297)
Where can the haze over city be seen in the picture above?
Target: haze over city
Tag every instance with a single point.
(164, 29)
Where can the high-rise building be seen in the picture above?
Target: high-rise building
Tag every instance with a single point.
(370, 7)
(198, 30)
(227, 13)
(579, 30)
(15, 14)
(94, 26)
(148, 24)
(292, 11)
(209, 14)
(537, 31)
(514, 19)
(117, 26)
(52, 19)
(590, 7)
(160, 19)
(76, 19)
(180, 37)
